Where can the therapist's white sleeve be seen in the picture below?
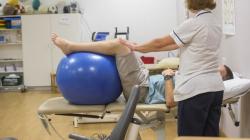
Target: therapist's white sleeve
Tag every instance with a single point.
(184, 33)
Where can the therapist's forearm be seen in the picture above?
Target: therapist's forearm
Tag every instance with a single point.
(150, 46)
(159, 44)
(168, 48)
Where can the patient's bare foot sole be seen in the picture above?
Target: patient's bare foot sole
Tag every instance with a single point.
(61, 43)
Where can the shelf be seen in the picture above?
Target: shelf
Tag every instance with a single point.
(6, 16)
(20, 87)
(11, 86)
(15, 29)
(14, 72)
(10, 44)
(10, 60)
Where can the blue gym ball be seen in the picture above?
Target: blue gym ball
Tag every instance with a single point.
(88, 78)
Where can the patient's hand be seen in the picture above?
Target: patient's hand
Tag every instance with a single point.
(170, 102)
(169, 88)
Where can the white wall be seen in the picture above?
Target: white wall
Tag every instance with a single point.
(236, 51)
(236, 48)
(181, 11)
(147, 19)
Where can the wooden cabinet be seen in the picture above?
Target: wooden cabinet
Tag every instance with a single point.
(40, 56)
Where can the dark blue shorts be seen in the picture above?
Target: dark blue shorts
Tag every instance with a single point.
(200, 115)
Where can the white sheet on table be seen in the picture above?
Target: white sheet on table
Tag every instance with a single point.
(236, 87)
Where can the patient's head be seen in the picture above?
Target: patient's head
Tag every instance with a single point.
(226, 72)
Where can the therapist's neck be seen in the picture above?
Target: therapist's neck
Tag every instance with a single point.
(192, 13)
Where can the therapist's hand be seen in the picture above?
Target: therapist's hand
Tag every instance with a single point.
(131, 45)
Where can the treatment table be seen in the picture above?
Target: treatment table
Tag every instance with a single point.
(59, 106)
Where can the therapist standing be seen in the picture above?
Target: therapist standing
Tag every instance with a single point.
(199, 86)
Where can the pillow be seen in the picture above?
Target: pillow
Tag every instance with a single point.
(170, 62)
(235, 87)
(237, 75)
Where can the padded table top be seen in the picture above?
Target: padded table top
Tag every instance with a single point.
(59, 105)
(117, 107)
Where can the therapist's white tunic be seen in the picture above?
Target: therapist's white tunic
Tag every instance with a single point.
(199, 40)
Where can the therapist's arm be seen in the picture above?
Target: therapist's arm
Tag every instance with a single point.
(165, 43)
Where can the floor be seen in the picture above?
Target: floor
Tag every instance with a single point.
(18, 118)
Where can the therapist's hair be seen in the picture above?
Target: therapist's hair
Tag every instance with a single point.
(200, 4)
(229, 74)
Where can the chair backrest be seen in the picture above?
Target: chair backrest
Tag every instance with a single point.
(122, 125)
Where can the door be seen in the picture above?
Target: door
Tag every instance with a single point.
(67, 26)
(36, 50)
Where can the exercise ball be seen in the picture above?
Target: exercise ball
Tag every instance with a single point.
(88, 78)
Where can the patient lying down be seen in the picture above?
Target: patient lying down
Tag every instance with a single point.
(155, 88)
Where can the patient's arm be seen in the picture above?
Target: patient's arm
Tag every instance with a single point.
(169, 87)
(169, 96)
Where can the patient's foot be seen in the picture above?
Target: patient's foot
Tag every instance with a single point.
(61, 43)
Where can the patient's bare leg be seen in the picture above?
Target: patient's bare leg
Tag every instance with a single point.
(109, 47)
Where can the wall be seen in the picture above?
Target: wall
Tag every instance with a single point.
(235, 50)
(181, 11)
(147, 19)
